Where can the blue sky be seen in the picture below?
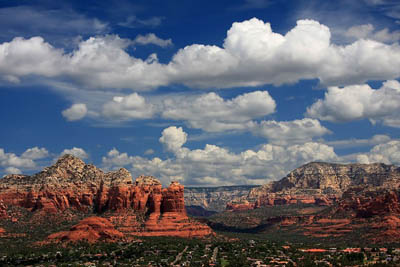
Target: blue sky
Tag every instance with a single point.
(207, 93)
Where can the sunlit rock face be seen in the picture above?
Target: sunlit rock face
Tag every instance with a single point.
(319, 183)
(214, 198)
(141, 207)
(363, 200)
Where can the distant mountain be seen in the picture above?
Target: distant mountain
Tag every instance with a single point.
(215, 198)
(332, 178)
(323, 200)
(320, 183)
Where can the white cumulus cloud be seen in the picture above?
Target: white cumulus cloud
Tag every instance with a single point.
(151, 38)
(75, 151)
(12, 170)
(358, 102)
(212, 113)
(388, 153)
(252, 54)
(12, 163)
(367, 31)
(214, 165)
(289, 132)
(75, 112)
(132, 106)
(35, 153)
(354, 142)
(173, 138)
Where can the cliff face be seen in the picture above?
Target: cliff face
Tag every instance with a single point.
(322, 184)
(364, 200)
(70, 184)
(366, 203)
(215, 198)
(374, 210)
(336, 178)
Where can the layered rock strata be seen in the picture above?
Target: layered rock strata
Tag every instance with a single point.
(139, 208)
(319, 183)
(215, 198)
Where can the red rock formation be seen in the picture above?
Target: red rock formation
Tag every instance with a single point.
(369, 202)
(323, 183)
(173, 200)
(3, 210)
(140, 208)
(281, 199)
(245, 205)
(273, 199)
(2, 231)
(172, 220)
(376, 210)
(91, 229)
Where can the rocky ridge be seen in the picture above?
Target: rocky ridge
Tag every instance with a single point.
(137, 209)
(214, 198)
(360, 198)
(319, 183)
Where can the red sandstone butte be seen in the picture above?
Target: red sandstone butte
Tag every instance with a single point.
(139, 208)
(169, 218)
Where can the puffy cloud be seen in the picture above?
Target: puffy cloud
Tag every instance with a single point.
(116, 159)
(75, 112)
(132, 106)
(11, 161)
(173, 138)
(151, 38)
(214, 165)
(22, 57)
(102, 62)
(212, 113)
(35, 153)
(358, 102)
(388, 153)
(12, 170)
(149, 152)
(75, 151)
(360, 31)
(289, 132)
(252, 55)
(367, 31)
(251, 48)
(374, 140)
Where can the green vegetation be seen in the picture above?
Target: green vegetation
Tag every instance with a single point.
(221, 251)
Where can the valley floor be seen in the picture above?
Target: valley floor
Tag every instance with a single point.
(222, 250)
